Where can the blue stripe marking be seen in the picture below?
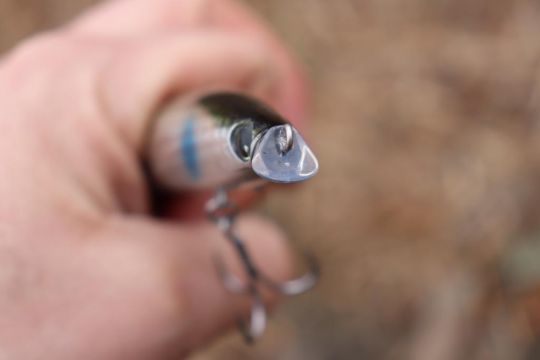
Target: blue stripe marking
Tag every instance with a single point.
(188, 149)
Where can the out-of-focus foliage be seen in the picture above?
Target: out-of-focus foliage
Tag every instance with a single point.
(425, 215)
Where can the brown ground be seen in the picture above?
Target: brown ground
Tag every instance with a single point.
(425, 215)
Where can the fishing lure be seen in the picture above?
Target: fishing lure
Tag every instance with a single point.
(222, 141)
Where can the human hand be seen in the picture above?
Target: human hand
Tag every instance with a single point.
(86, 273)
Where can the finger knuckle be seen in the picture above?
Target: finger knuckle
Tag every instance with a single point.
(32, 57)
(38, 49)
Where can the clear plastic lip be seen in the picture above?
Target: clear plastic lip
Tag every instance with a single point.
(297, 164)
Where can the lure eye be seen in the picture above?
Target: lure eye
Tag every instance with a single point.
(241, 139)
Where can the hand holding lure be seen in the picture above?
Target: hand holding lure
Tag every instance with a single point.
(222, 141)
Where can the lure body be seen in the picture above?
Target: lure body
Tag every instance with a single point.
(224, 139)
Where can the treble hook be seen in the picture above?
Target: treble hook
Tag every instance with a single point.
(221, 210)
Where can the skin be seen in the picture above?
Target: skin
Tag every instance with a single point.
(87, 272)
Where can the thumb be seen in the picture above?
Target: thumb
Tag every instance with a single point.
(179, 257)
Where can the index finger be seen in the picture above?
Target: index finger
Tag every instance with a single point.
(143, 17)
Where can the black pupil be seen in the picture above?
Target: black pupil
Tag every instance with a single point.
(242, 138)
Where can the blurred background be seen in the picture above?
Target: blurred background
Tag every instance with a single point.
(425, 216)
